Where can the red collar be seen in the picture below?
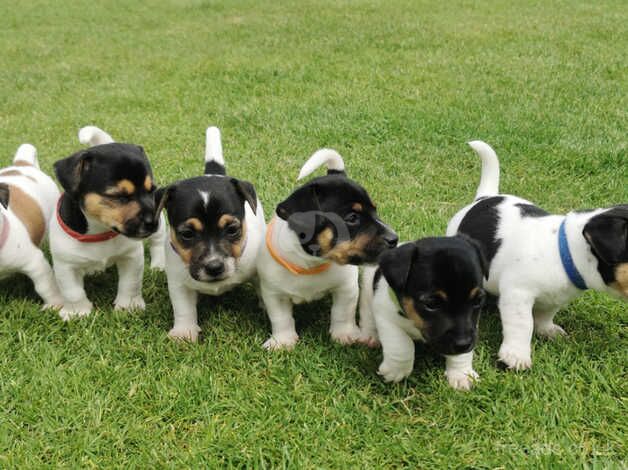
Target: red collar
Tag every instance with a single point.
(4, 234)
(82, 237)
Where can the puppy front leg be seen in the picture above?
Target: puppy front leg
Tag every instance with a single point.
(515, 310)
(279, 310)
(343, 328)
(130, 273)
(43, 278)
(70, 282)
(368, 329)
(157, 246)
(184, 302)
(398, 350)
(459, 371)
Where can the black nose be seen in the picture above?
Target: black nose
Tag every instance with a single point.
(391, 239)
(215, 267)
(463, 343)
(150, 222)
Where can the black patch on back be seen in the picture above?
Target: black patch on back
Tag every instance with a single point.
(214, 168)
(481, 224)
(530, 210)
(71, 214)
(336, 172)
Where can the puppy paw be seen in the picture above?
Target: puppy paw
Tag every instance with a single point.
(514, 358)
(369, 339)
(53, 304)
(348, 334)
(185, 333)
(129, 303)
(284, 341)
(75, 310)
(461, 380)
(549, 331)
(394, 371)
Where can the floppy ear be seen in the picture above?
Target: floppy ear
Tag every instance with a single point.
(161, 197)
(396, 263)
(607, 234)
(70, 170)
(4, 195)
(247, 192)
(477, 247)
(301, 210)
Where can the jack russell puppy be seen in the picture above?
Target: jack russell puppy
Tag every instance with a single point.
(539, 262)
(27, 202)
(314, 244)
(107, 208)
(216, 228)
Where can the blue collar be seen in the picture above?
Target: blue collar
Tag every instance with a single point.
(568, 264)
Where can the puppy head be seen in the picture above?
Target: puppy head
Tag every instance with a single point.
(335, 219)
(113, 184)
(607, 235)
(438, 282)
(207, 220)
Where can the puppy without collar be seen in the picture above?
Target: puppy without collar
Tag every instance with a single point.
(216, 227)
(429, 290)
(539, 262)
(107, 209)
(27, 198)
(318, 236)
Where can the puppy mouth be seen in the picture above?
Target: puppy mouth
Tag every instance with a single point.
(138, 235)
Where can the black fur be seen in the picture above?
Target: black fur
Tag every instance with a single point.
(4, 194)
(530, 210)
(453, 265)
(214, 168)
(607, 234)
(481, 223)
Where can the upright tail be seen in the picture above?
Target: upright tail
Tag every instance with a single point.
(214, 161)
(26, 155)
(329, 157)
(92, 135)
(489, 181)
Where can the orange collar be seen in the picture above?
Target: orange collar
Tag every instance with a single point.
(293, 268)
(82, 237)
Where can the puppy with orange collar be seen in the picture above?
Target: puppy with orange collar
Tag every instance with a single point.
(27, 198)
(107, 209)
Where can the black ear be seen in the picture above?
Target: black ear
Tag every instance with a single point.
(477, 247)
(161, 197)
(302, 212)
(607, 234)
(4, 195)
(247, 192)
(70, 170)
(396, 263)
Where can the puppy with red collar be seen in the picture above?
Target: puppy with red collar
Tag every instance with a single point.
(538, 261)
(27, 201)
(216, 227)
(314, 244)
(107, 209)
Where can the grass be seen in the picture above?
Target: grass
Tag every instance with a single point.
(397, 87)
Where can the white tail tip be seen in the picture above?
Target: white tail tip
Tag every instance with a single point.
(213, 146)
(92, 135)
(328, 157)
(26, 153)
(489, 180)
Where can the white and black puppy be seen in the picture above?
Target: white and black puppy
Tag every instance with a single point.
(27, 201)
(107, 209)
(318, 236)
(216, 228)
(539, 262)
(429, 290)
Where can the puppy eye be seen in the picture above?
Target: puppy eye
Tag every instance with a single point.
(432, 303)
(352, 218)
(187, 234)
(232, 230)
(122, 198)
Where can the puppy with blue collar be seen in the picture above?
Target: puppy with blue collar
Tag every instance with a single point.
(216, 228)
(429, 290)
(107, 209)
(539, 262)
(27, 202)
(314, 244)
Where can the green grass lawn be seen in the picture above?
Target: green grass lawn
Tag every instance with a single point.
(397, 87)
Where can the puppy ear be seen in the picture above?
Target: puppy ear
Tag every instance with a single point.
(396, 263)
(70, 170)
(477, 247)
(302, 212)
(607, 234)
(4, 195)
(161, 197)
(247, 192)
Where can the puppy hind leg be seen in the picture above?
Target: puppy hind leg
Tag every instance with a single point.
(398, 350)
(515, 309)
(279, 310)
(343, 328)
(130, 274)
(70, 282)
(459, 371)
(368, 329)
(544, 324)
(43, 279)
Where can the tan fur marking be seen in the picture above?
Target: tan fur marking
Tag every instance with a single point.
(148, 183)
(442, 294)
(126, 186)
(342, 252)
(474, 292)
(357, 207)
(411, 313)
(621, 279)
(324, 240)
(195, 223)
(110, 213)
(16, 173)
(28, 211)
(22, 163)
(225, 220)
(184, 253)
(236, 248)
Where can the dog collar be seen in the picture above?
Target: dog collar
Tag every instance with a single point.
(82, 237)
(568, 263)
(4, 234)
(293, 268)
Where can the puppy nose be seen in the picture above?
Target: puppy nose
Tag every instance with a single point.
(391, 239)
(462, 343)
(150, 222)
(215, 267)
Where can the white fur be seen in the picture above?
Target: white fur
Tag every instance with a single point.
(526, 272)
(328, 157)
(19, 254)
(92, 135)
(213, 146)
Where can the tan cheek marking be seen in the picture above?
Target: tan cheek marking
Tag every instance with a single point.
(184, 253)
(126, 186)
(148, 183)
(474, 292)
(621, 279)
(110, 213)
(225, 220)
(351, 248)
(357, 207)
(236, 248)
(16, 173)
(195, 223)
(28, 211)
(411, 313)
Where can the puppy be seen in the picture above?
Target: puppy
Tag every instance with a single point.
(429, 290)
(318, 236)
(539, 262)
(107, 209)
(27, 198)
(216, 228)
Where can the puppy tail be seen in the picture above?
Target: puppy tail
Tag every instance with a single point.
(329, 157)
(214, 161)
(92, 135)
(489, 181)
(26, 155)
